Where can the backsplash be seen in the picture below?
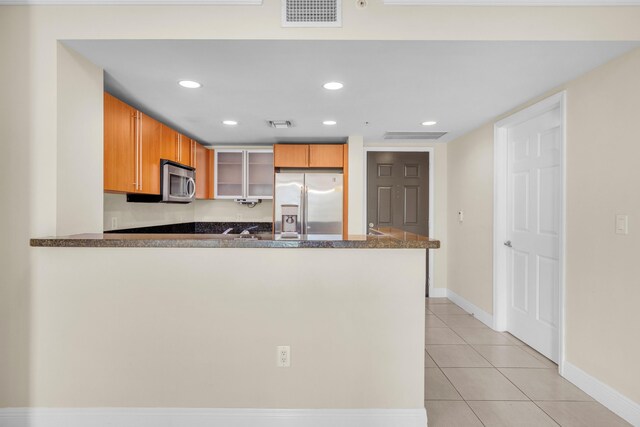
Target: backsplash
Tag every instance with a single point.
(230, 211)
(134, 215)
(131, 215)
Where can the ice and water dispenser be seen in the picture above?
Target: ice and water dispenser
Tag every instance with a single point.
(290, 221)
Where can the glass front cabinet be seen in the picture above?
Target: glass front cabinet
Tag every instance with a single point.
(243, 174)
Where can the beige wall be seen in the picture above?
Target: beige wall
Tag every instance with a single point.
(79, 151)
(356, 185)
(602, 271)
(143, 327)
(29, 108)
(470, 243)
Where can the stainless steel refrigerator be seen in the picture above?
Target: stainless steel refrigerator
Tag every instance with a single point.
(319, 200)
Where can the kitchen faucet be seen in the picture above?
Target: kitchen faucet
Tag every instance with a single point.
(246, 230)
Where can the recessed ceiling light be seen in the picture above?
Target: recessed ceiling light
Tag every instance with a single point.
(229, 122)
(329, 122)
(429, 123)
(189, 84)
(333, 85)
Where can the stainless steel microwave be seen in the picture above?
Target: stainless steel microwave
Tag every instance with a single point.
(178, 182)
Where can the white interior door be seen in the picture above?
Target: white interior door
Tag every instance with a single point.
(534, 186)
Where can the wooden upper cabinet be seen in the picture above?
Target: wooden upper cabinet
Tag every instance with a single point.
(119, 146)
(291, 155)
(134, 144)
(308, 155)
(326, 155)
(204, 172)
(149, 152)
(169, 144)
(184, 150)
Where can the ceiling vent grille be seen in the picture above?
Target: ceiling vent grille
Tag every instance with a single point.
(280, 124)
(311, 13)
(414, 135)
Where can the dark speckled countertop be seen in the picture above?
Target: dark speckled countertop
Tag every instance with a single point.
(388, 238)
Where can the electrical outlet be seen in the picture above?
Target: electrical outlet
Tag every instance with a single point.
(114, 222)
(284, 356)
(622, 224)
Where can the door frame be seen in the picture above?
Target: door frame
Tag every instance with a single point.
(500, 214)
(432, 187)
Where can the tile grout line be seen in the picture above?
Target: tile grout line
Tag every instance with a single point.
(548, 415)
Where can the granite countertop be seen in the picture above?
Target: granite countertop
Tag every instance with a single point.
(388, 238)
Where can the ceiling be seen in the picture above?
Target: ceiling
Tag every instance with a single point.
(389, 86)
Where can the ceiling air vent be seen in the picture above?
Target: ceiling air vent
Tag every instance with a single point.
(311, 13)
(414, 135)
(280, 124)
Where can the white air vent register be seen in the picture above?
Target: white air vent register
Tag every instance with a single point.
(311, 13)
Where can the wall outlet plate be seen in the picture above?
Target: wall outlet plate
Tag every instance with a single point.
(622, 224)
(284, 356)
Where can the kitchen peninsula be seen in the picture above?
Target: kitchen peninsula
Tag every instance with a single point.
(383, 238)
(196, 319)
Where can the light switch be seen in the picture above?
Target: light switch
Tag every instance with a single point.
(460, 216)
(622, 224)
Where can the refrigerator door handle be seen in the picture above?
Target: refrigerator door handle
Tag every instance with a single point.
(306, 209)
(302, 208)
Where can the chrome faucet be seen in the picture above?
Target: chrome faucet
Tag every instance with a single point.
(246, 230)
(228, 230)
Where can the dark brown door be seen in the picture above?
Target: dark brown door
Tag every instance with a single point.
(398, 192)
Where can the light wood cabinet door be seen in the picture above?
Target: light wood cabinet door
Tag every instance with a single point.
(119, 146)
(169, 144)
(204, 172)
(291, 155)
(326, 155)
(184, 150)
(150, 143)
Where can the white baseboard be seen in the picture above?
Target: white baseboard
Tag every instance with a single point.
(612, 399)
(478, 313)
(210, 417)
(437, 292)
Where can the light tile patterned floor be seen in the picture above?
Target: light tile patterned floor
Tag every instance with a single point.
(475, 376)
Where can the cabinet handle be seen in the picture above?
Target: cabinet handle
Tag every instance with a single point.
(134, 118)
(140, 147)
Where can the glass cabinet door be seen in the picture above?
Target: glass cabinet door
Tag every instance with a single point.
(229, 174)
(260, 174)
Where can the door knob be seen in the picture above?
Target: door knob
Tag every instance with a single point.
(370, 224)
(508, 244)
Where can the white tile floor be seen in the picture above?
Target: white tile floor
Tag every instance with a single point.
(475, 376)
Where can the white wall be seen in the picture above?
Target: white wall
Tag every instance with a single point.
(602, 271)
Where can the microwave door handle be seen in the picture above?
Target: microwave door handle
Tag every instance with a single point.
(192, 191)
